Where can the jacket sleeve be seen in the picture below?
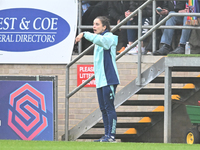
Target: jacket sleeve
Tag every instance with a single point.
(132, 6)
(146, 12)
(180, 6)
(159, 3)
(114, 13)
(92, 3)
(105, 41)
(166, 6)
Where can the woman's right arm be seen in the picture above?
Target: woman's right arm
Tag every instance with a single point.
(104, 41)
(79, 37)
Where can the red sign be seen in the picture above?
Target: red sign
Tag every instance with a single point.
(83, 73)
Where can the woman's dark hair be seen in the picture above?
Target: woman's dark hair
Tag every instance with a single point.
(105, 22)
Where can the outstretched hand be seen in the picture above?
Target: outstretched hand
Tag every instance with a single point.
(79, 37)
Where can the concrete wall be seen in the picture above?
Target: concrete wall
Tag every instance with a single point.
(85, 101)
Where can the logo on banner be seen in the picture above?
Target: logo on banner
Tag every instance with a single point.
(27, 29)
(27, 114)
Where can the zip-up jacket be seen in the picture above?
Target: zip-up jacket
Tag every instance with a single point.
(169, 5)
(105, 68)
(146, 12)
(117, 9)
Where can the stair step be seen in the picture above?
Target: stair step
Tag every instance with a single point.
(186, 69)
(160, 91)
(98, 136)
(177, 80)
(125, 125)
(139, 114)
(143, 103)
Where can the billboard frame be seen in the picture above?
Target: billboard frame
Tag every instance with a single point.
(54, 79)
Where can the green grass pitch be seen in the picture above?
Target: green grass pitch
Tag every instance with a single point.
(62, 145)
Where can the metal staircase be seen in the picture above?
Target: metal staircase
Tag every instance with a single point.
(137, 86)
(151, 75)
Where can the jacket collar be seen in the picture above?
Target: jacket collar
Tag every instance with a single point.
(104, 32)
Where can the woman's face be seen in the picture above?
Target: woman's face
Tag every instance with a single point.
(98, 27)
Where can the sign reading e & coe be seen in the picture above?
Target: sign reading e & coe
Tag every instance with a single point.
(36, 31)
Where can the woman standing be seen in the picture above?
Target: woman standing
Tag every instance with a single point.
(106, 74)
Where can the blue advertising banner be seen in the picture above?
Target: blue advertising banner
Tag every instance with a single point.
(37, 31)
(26, 110)
(44, 28)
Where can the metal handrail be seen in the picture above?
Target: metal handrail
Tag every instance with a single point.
(140, 38)
(90, 48)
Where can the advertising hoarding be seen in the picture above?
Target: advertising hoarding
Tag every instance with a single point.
(37, 31)
(26, 110)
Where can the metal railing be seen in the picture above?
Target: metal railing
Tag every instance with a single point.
(152, 30)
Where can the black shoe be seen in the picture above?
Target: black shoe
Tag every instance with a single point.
(178, 50)
(164, 50)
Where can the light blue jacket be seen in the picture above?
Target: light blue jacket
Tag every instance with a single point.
(105, 67)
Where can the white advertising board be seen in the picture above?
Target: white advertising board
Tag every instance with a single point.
(37, 31)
